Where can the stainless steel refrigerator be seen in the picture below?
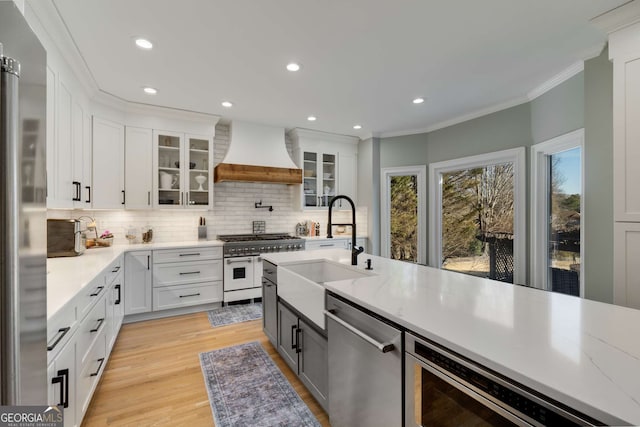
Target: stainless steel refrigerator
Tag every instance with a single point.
(23, 251)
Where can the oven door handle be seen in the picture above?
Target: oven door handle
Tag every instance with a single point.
(234, 260)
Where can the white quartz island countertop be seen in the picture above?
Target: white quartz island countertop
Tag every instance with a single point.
(66, 276)
(582, 353)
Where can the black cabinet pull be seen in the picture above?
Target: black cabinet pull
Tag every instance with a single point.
(95, 374)
(189, 272)
(268, 271)
(116, 269)
(63, 380)
(100, 322)
(191, 254)
(118, 288)
(62, 332)
(148, 262)
(88, 194)
(190, 295)
(294, 344)
(298, 336)
(123, 197)
(76, 187)
(98, 290)
(149, 198)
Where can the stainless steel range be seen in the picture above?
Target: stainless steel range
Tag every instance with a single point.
(243, 264)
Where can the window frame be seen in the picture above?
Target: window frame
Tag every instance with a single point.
(540, 205)
(513, 155)
(385, 193)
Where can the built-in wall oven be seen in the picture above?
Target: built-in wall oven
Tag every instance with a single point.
(445, 389)
(242, 278)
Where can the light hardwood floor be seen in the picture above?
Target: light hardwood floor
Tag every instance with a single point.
(153, 376)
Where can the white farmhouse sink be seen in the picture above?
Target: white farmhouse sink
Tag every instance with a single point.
(301, 284)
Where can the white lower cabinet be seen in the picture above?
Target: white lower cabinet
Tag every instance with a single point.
(138, 279)
(62, 382)
(80, 337)
(186, 277)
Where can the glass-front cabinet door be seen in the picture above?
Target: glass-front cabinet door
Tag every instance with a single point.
(169, 173)
(183, 164)
(198, 176)
(319, 178)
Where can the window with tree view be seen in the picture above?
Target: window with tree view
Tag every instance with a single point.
(404, 218)
(564, 221)
(478, 221)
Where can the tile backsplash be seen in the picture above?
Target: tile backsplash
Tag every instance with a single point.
(233, 210)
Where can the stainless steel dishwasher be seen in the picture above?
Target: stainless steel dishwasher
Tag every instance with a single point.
(365, 368)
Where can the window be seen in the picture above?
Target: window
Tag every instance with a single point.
(557, 201)
(403, 213)
(477, 221)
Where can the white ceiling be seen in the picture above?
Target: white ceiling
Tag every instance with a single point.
(363, 60)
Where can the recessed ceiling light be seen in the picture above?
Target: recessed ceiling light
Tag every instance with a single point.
(418, 100)
(150, 90)
(227, 104)
(144, 43)
(357, 126)
(311, 118)
(293, 66)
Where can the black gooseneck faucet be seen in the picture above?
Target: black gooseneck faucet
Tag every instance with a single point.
(355, 250)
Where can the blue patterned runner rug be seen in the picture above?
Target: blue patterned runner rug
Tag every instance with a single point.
(246, 388)
(235, 314)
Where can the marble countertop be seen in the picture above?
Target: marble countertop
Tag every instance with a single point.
(582, 353)
(66, 276)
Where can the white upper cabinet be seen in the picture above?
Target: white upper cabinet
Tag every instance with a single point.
(138, 168)
(108, 165)
(68, 143)
(182, 165)
(329, 168)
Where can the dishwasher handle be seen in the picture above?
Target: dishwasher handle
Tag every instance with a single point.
(384, 347)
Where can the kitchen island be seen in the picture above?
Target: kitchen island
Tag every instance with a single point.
(583, 354)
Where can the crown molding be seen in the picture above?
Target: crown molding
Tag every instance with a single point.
(322, 136)
(46, 12)
(545, 87)
(460, 119)
(556, 80)
(618, 18)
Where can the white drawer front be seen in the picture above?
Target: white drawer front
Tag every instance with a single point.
(60, 328)
(186, 254)
(186, 295)
(89, 295)
(186, 272)
(325, 244)
(91, 327)
(90, 370)
(113, 270)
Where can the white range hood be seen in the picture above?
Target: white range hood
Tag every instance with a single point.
(257, 153)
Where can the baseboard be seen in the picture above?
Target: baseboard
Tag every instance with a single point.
(139, 317)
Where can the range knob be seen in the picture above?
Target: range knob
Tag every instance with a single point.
(299, 246)
(232, 250)
(288, 247)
